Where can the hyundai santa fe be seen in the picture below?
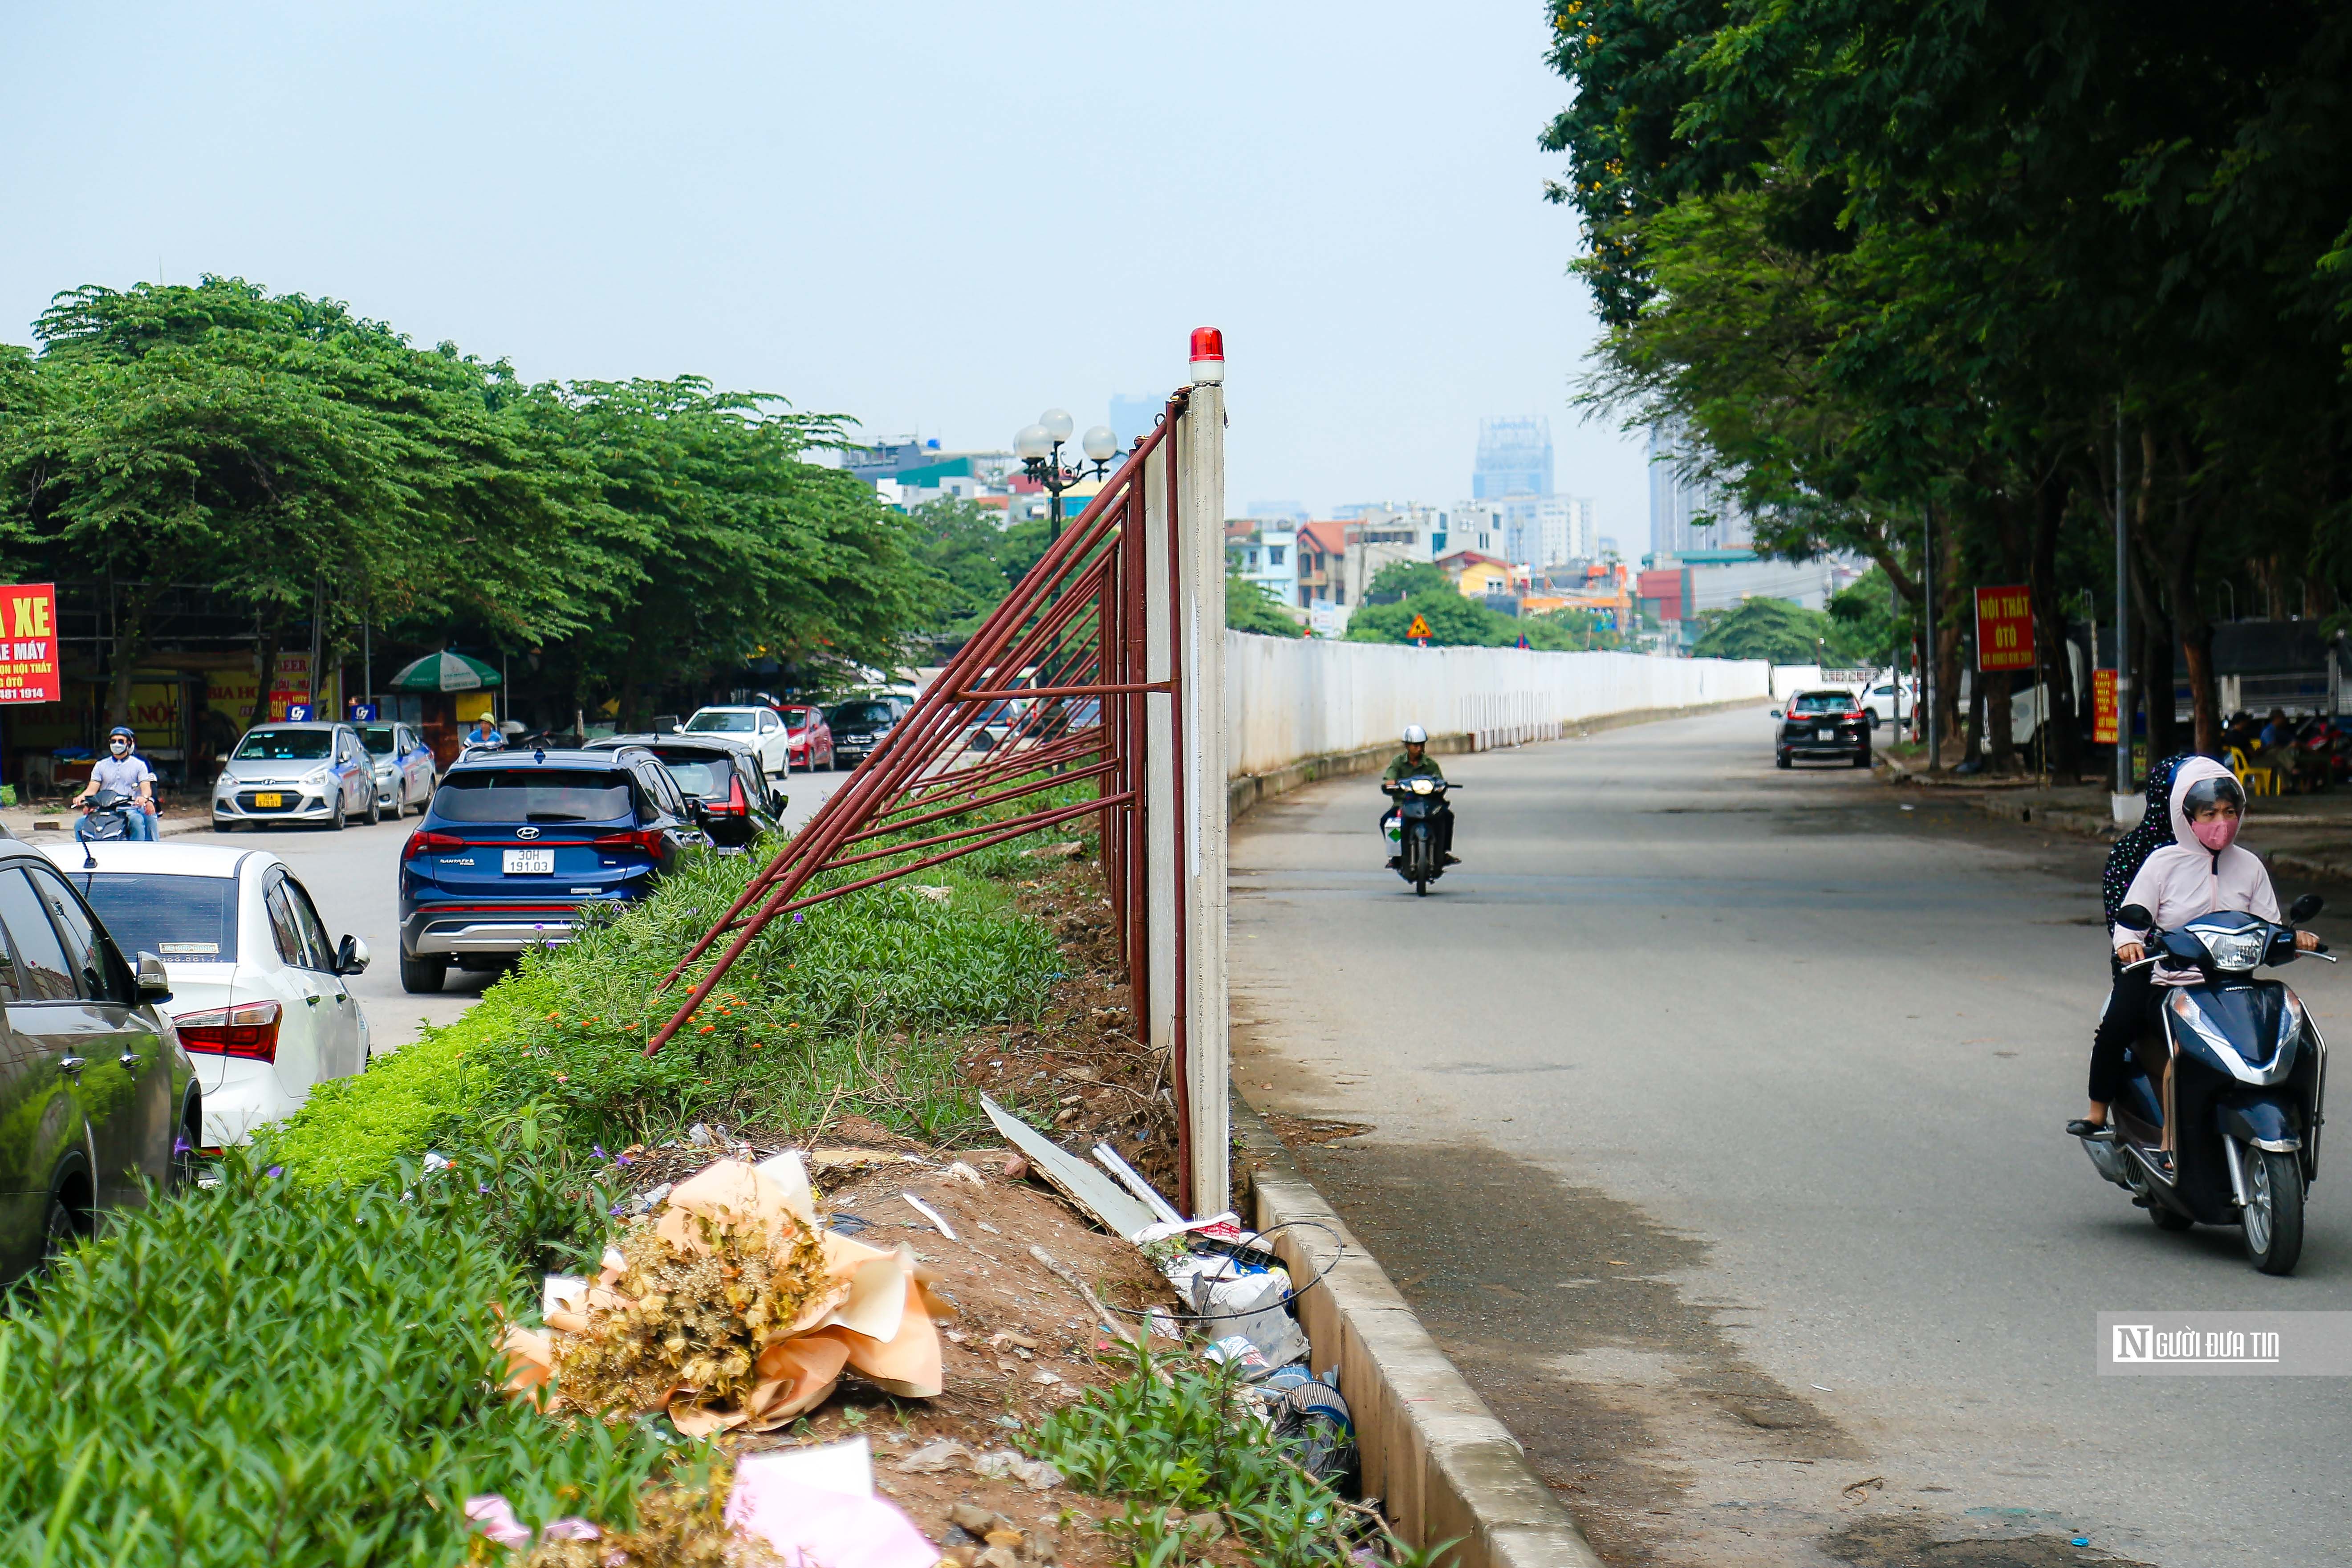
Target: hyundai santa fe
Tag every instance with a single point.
(516, 844)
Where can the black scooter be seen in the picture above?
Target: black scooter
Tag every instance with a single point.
(107, 817)
(2247, 1092)
(1411, 830)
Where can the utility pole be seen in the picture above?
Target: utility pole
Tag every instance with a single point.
(2123, 625)
(1927, 694)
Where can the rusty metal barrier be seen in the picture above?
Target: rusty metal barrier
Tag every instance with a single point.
(1065, 662)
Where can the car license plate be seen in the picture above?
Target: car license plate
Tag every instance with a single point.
(271, 799)
(531, 862)
(1825, 734)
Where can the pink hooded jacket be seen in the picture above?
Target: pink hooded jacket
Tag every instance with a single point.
(2185, 879)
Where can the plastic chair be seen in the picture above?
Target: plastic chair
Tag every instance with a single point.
(2258, 776)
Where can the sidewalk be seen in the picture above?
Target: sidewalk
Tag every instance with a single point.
(26, 821)
(2309, 835)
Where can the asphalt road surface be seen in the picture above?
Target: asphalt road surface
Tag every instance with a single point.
(354, 878)
(1716, 1131)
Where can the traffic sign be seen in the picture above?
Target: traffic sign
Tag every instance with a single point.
(2105, 712)
(1419, 631)
(2004, 628)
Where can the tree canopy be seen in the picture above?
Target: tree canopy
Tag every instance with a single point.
(299, 460)
(1881, 261)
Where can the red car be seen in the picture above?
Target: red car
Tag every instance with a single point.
(810, 738)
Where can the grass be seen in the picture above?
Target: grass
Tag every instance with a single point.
(854, 1007)
(1174, 1441)
(268, 1372)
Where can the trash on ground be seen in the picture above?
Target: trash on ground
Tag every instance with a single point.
(928, 1213)
(1125, 1174)
(1093, 1193)
(934, 891)
(733, 1310)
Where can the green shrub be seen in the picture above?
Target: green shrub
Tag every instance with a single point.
(268, 1372)
(1174, 1435)
(848, 1008)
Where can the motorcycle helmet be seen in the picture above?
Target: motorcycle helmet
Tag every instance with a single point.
(2211, 792)
(1414, 735)
(120, 732)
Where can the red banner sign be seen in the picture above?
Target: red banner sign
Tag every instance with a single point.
(28, 644)
(2103, 707)
(2004, 628)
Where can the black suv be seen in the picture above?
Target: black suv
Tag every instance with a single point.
(861, 724)
(1822, 724)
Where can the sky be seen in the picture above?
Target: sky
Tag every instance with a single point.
(937, 219)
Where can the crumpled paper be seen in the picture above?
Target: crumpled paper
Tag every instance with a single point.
(875, 1312)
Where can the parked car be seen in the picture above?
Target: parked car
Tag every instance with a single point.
(863, 723)
(812, 737)
(720, 771)
(1879, 702)
(403, 765)
(517, 843)
(316, 772)
(1821, 724)
(259, 994)
(95, 1090)
(759, 727)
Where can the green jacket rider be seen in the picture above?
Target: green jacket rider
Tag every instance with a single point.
(1414, 762)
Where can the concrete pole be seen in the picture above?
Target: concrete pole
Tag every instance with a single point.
(1161, 843)
(1201, 604)
(2123, 789)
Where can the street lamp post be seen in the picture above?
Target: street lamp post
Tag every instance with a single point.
(1039, 448)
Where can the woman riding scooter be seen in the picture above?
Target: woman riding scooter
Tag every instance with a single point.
(2202, 870)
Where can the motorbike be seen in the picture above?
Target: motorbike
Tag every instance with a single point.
(2246, 1094)
(107, 817)
(1411, 830)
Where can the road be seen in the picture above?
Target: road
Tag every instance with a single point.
(1716, 1131)
(353, 877)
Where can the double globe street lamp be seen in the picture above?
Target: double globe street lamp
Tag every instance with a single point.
(1039, 448)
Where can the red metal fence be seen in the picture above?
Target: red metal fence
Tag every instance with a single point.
(1058, 680)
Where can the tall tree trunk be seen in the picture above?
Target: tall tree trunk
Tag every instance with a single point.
(131, 644)
(1999, 687)
(2061, 739)
(1947, 639)
(1972, 745)
(268, 672)
(2196, 631)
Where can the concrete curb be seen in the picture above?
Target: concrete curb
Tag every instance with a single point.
(1245, 794)
(1441, 1463)
(37, 835)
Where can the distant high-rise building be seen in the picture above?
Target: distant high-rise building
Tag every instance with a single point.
(1545, 531)
(1685, 514)
(1131, 418)
(1514, 459)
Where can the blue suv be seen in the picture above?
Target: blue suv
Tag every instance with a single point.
(516, 842)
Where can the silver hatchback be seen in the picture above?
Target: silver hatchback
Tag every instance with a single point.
(313, 773)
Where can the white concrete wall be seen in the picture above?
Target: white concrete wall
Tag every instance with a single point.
(1287, 700)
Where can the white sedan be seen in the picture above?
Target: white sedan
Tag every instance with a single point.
(257, 991)
(758, 728)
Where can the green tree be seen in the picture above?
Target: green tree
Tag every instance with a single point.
(1406, 578)
(972, 560)
(1764, 628)
(1250, 608)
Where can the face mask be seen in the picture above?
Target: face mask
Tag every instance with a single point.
(118, 747)
(2216, 833)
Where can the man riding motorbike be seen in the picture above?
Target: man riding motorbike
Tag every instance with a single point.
(1414, 762)
(124, 773)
